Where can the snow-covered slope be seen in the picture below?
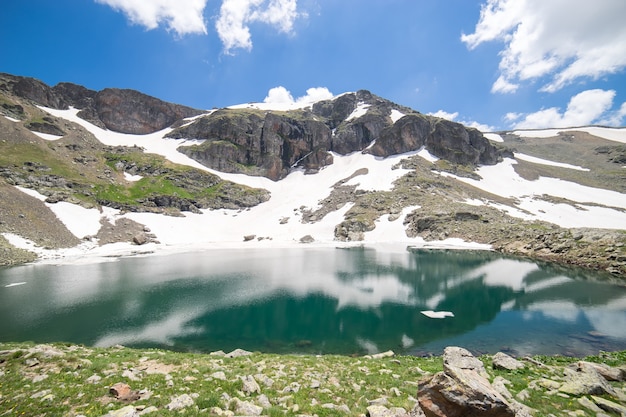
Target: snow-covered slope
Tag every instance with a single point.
(277, 222)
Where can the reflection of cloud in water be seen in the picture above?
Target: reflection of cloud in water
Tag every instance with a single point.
(163, 331)
(608, 323)
(407, 342)
(367, 345)
(547, 283)
(505, 273)
(558, 310)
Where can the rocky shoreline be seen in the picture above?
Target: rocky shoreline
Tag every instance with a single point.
(69, 380)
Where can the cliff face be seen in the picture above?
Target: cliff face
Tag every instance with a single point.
(120, 110)
(271, 143)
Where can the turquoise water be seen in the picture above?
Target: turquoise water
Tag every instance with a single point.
(312, 300)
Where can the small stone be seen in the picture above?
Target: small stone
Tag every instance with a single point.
(39, 378)
(31, 362)
(250, 386)
(246, 408)
(180, 402)
(148, 410)
(219, 375)
(264, 401)
(128, 411)
(94, 379)
(382, 355)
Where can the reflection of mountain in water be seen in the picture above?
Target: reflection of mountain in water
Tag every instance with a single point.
(312, 300)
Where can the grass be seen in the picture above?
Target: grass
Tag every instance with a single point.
(33, 383)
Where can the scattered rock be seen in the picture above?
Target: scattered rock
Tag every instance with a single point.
(219, 375)
(307, 239)
(245, 408)
(128, 411)
(238, 353)
(586, 381)
(94, 379)
(123, 392)
(180, 402)
(607, 372)
(609, 406)
(140, 239)
(503, 361)
(381, 355)
(250, 386)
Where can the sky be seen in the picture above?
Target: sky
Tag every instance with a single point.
(491, 64)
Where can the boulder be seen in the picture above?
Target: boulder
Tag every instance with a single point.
(462, 389)
(503, 361)
(249, 385)
(123, 392)
(609, 373)
(585, 381)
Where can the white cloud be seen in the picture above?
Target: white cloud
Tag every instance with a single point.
(588, 107)
(181, 16)
(563, 40)
(445, 115)
(470, 123)
(280, 95)
(233, 23)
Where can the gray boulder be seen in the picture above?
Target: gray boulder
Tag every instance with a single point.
(462, 389)
(503, 361)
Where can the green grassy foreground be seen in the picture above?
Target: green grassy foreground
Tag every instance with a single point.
(69, 380)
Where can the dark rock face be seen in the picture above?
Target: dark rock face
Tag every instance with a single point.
(124, 111)
(443, 138)
(257, 143)
(129, 111)
(270, 144)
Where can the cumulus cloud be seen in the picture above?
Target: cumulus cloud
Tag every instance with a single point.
(233, 23)
(588, 107)
(280, 95)
(180, 16)
(561, 40)
(470, 123)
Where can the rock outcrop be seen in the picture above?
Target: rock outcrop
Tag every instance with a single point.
(120, 110)
(462, 389)
(271, 143)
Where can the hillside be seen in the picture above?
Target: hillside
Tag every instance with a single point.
(85, 173)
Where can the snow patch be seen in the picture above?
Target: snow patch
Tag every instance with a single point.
(542, 161)
(361, 110)
(396, 115)
(494, 137)
(46, 136)
(609, 133)
(11, 119)
(131, 177)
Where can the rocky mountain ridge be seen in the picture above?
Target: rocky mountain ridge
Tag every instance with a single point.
(271, 143)
(74, 166)
(120, 110)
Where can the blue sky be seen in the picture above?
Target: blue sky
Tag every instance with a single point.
(496, 64)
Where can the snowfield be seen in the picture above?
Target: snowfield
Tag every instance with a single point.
(277, 221)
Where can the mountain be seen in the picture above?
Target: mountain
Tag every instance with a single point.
(83, 170)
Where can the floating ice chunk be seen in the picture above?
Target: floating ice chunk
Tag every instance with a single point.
(437, 314)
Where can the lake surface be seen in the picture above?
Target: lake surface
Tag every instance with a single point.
(316, 300)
